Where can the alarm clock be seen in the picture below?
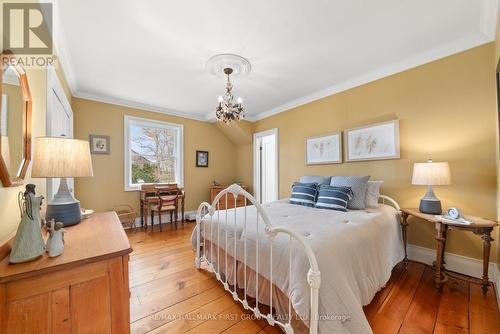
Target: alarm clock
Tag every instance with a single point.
(454, 213)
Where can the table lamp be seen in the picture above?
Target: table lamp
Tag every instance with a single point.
(431, 174)
(56, 157)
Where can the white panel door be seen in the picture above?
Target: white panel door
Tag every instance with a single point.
(59, 121)
(266, 166)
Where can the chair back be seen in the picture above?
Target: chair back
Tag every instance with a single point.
(151, 189)
(168, 196)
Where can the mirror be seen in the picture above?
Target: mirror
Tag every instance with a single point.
(15, 126)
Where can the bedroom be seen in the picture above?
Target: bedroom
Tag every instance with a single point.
(309, 74)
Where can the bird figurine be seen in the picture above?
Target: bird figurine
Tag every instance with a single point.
(55, 243)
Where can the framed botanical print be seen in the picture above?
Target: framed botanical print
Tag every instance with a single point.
(378, 141)
(201, 158)
(324, 149)
(99, 144)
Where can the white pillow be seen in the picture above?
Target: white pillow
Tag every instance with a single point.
(372, 193)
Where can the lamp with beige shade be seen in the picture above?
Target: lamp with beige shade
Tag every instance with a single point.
(56, 157)
(431, 174)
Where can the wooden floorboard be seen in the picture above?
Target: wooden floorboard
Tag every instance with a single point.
(453, 314)
(168, 295)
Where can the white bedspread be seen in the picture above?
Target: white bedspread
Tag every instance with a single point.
(355, 250)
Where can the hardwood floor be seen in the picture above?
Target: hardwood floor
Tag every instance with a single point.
(168, 295)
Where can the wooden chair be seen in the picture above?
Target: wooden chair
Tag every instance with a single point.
(148, 197)
(168, 202)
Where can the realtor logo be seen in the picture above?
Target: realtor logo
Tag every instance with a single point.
(27, 28)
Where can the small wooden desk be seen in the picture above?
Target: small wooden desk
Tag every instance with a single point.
(84, 290)
(148, 198)
(480, 226)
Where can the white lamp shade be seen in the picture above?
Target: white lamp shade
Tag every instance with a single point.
(61, 157)
(431, 174)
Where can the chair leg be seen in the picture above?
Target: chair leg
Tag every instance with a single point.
(176, 218)
(171, 220)
(152, 220)
(159, 219)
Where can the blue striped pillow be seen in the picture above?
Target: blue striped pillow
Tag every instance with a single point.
(334, 198)
(304, 194)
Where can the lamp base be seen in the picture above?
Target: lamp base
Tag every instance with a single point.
(64, 207)
(432, 207)
(68, 214)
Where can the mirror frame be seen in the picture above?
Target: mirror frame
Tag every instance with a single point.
(17, 180)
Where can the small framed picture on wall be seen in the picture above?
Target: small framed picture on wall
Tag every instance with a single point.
(378, 141)
(99, 144)
(324, 149)
(201, 158)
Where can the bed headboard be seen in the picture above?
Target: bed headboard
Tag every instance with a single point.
(388, 200)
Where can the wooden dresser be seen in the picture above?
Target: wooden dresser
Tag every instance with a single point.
(240, 201)
(84, 290)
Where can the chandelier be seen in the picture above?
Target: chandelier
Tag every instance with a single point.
(227, 111)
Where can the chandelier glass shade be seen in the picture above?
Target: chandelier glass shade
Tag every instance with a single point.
(227, 110)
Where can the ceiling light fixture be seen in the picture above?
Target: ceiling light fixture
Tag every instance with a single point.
(228, 110)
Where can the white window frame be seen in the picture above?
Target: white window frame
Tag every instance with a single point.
(138, 121)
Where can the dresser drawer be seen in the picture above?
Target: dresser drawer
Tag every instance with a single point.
(240, 200)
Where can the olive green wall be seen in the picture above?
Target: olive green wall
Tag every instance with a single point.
(447, 112)
(106, 189)
(494, 69)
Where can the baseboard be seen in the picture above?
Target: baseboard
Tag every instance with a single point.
(457, 263)
(190, 215)
(164, 220)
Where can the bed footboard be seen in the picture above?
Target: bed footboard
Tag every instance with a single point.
(205, 214)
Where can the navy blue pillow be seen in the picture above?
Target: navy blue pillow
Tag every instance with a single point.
(334, 198)
(304, 194)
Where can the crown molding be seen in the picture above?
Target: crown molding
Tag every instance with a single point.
(385, 71)
(136, 105)
(59, 41)
(487, 29)
(210, 117)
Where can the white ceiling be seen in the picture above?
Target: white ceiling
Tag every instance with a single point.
(152, 54)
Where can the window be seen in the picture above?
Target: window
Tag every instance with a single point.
(153, 152)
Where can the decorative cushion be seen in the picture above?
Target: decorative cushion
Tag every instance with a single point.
(304, 194)
(372, 193)
(315, 179)
(163, 208)
(333, 198)
(358, 187)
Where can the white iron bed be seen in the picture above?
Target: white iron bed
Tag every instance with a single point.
(344, 256)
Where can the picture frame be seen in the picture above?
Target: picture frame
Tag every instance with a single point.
(99, 144)
(378, 141)
(325, 149)
(202, 159)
